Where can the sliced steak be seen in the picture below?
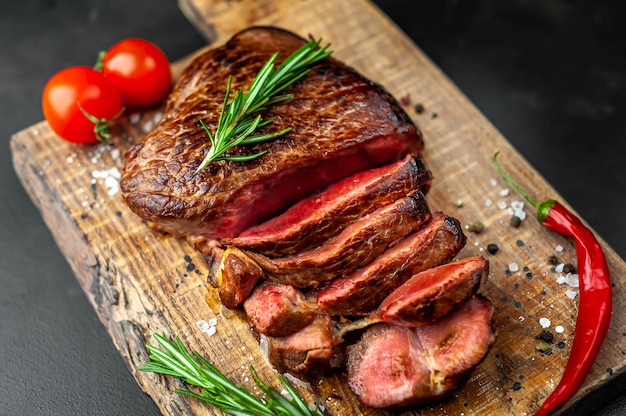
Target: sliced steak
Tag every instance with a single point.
(362, 291)
(395, 366)
(308, 352)
(341, 123)
(313, 220)
(236, 277)
(279, 310)
(357, 245)
(433, 293)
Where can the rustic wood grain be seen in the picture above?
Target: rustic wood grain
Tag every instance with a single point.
(141, 282)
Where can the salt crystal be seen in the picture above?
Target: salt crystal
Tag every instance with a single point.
(571, 279)
(211, 331)
(544, 322)
(560, 280)
(134, 118)
(504, 192)
(520, 213)
(157, 116)
(502, 204)
(559, 329)
(521, 319)
(493, 182)
(148, 125)
(513, 267)
(559, 267)
(213, 321)
(115, 154)
(517, 204)
(115, 173)
(558, 248)
(488, 202)
(203, 325)
(570, 294)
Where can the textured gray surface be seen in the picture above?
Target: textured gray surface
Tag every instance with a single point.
(550, 75)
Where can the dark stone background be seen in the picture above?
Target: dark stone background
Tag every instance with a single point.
(549, 74)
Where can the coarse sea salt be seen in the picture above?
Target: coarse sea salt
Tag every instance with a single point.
(501, 204)
(544, 322)
(559, 329)
(504, 192)
(571, 294)
(559, 267)
(209, 327)
(558, 248)
(513, 267)
(488, 202)
(572, 279)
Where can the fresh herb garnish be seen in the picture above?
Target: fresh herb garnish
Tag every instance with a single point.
(176, 361)
(240, 118)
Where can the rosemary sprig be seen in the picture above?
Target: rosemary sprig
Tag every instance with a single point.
(174, 359)
(240, 118)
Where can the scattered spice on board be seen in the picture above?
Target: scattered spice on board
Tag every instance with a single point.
(492, 248)
(477, 227)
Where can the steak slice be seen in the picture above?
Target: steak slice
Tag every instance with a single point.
(279, 310)
(433, 293)
(341, 123)
(308, 352)
(236, 277)
(357, 245)
(394, 366)
(362, 291)
(313, 220)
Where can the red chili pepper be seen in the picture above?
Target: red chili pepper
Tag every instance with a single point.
(595, 304)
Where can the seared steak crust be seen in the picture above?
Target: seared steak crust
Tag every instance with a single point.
(341, 124)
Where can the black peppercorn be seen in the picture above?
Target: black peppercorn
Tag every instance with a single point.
(515, 221)
(492, 248)
(569, 268)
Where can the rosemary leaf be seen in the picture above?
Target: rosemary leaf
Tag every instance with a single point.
(173, 359)
(240, 118)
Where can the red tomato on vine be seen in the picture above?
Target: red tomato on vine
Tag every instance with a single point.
(80, 105)
(139, 70)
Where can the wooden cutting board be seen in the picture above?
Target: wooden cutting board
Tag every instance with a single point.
(140, 282)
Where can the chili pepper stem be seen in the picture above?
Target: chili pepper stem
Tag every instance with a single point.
(541, 207)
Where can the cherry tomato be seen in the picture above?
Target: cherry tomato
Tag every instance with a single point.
(139, 70)
(77, 101)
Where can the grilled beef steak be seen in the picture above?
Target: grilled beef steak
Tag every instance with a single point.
(393, 366)
(314, 220)
(433, 293)
(361, 292)
(329, 221)
(279, 310)
(341, 124)
(308, 352)
(354, 247)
